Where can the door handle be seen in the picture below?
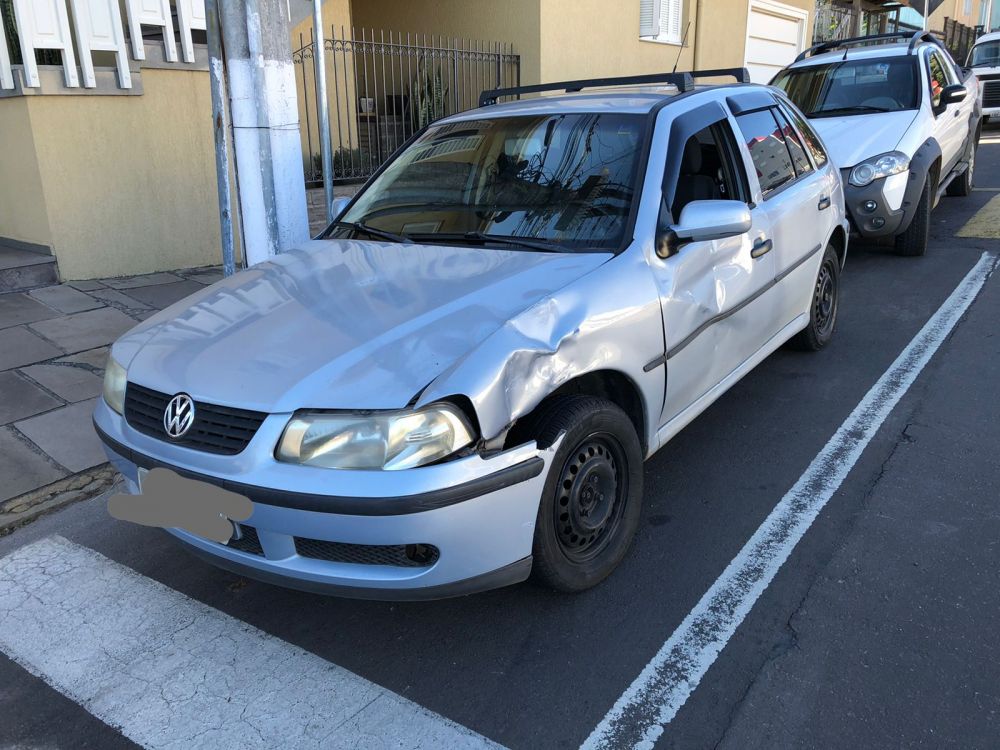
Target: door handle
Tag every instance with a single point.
(824, 203)
(761, 247)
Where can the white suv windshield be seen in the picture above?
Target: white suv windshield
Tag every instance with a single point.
(985, 55)
(567, 180)
(852, 87)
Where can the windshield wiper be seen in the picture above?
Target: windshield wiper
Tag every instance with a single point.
(500, 239)
(381, 234)
(848, 110)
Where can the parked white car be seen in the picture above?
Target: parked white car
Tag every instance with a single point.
(900, 119)
(458, 381)
(984, 62)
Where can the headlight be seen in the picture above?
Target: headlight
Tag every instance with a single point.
(374, 440)
(114, 385)
(885, 165)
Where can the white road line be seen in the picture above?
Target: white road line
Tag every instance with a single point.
(171, 672)
(640, 715)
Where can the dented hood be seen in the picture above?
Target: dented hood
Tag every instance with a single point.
(340, 324)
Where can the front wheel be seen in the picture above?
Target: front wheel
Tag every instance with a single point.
(914, 240)
(591, 503)
(825, 303)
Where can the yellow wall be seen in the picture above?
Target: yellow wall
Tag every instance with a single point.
(22, 208)
(127, 182)
(955, 10)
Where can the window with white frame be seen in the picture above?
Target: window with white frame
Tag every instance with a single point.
(660, 20)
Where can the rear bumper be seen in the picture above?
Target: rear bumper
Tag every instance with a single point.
(479, 515)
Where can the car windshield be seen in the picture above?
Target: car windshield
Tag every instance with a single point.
(985, 55)
(559, 182)
(852, 87)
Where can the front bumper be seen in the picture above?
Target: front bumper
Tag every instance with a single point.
(890, 216)
(479, 514)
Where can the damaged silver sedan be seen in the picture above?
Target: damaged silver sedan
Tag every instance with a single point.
(455, 385)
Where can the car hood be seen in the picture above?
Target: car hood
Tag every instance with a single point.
(851, 140)
(340, 324)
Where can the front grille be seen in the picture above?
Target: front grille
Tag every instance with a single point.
(216, 429)
(249, 543)
(398, 555)
(991, 94)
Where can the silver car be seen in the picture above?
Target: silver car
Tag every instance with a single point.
(456, 384)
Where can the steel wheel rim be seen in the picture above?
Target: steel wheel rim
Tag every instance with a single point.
(825, 300)
(590, 499)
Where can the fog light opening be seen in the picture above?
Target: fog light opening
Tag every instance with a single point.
(422, 554)
(870, 206)
(878, 222)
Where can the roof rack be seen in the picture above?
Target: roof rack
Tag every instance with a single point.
(684, 81)
(915, 38)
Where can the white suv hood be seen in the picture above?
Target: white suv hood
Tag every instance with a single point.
(340, 324)
(851, 140)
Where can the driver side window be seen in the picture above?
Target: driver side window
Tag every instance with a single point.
(938, 78)
(709, 169)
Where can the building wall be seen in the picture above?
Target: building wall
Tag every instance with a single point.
(955, 9)
(123, 185)
(23, 214)
(515, 21)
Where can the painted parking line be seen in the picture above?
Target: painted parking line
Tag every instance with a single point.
(169, 671)
(641, 714)
(985, 224)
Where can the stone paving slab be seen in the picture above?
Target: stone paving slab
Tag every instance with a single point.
(21, 468)
(67, 435)
(19, 346)
(118, 299)
(17, 308)
(164, 295)
(87, 285)
(85, 330)
(69, 383)
(93, 359)
(65, 298)
(22, 398)
(149, 279)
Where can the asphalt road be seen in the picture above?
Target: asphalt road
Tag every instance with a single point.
(880, 630)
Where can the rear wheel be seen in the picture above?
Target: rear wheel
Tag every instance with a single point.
(591, 503)
(961, 186)
(914, 240)
(825, 303)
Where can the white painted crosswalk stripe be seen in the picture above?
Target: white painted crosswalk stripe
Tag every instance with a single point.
(171, 672)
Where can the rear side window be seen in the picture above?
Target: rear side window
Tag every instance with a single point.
(767, 147)
(795, 148)
(809, 136)
(938, 78)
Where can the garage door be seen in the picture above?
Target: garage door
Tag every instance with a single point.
(776, 33)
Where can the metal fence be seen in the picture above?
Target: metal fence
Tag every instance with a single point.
(837, 22)
(383, 86)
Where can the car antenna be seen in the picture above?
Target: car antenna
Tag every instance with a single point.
(683, 42)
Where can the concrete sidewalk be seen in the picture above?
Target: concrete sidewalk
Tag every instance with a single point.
(53, 345)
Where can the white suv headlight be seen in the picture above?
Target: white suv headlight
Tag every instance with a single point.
(374, 440)
(114, 385)
(878, 167)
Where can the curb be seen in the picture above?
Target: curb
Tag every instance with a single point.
(25, 508)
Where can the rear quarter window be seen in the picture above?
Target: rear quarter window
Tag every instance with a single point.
(766, 144)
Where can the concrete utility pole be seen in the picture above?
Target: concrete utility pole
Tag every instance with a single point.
(264, 107)
(322, 105)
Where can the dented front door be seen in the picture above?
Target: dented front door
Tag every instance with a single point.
(716, 311)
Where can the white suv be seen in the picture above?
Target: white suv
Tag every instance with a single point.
(900, 119)
(984, 62)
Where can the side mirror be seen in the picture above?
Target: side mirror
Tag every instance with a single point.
(952, 95)
(338, 205)
(702, 221)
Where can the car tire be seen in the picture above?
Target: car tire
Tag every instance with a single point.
(592, 499)
(961, 186)
(913, 241)
(823, 307)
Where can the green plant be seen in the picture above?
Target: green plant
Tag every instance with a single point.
(428, 95)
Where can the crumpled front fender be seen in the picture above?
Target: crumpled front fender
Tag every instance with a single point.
(607, 320)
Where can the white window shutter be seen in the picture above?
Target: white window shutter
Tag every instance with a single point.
(649, 17)
(670, 20)
(99, 27)
(190, 15)
(151, 13)
(44, 24)
(6, 75)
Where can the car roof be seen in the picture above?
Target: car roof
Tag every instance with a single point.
(993, 36)
(628, 100)
(896, 49)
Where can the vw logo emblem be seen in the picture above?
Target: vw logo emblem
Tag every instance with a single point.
(179, 415)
